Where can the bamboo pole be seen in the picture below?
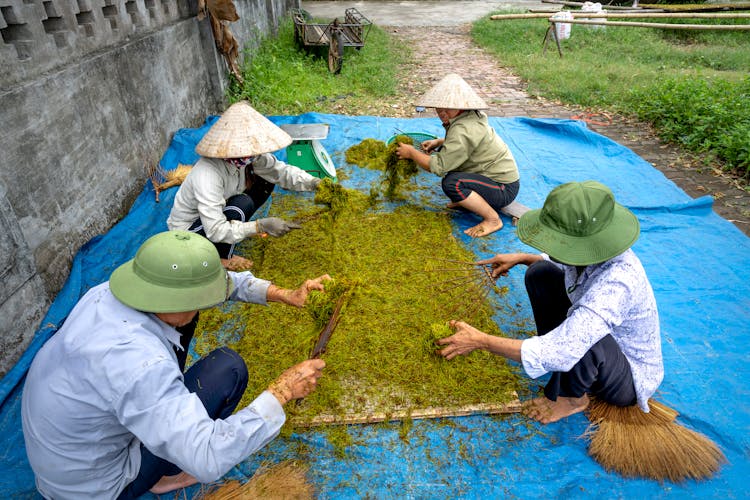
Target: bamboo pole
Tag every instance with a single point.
(580, 4)
(514, 406)
(631, 15)
(704, 27)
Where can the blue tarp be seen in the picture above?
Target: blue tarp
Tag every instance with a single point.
(698, 263)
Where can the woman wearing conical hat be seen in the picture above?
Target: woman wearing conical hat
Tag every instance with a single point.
(233, 178)
(478, 170)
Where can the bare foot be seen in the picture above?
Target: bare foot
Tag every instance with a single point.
(171, 483)
(237, 263)
(546, 411)
(484, 228)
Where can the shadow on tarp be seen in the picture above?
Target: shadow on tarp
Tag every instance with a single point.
(699, 265)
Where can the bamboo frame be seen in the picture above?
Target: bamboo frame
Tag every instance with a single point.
(627, 15)
(552, 31)
(514, 406)
(700, 27)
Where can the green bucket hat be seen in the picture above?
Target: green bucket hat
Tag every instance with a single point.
(580, 224)
(174, 271)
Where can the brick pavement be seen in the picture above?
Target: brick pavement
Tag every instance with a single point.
(439, 50)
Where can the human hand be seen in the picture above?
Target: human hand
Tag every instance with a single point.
(298, 297)
(405, 151)
(298, 381)
(275, 226)
(465, 340)
(430, 144)
(501, 264)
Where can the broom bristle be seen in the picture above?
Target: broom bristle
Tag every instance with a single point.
(286, 480)
(660, 414)
(650, 446)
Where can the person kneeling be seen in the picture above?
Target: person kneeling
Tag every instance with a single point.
(106, 409)
(593, 305)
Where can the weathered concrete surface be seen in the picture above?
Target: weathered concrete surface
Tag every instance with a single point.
(419, 12)
(79, 130)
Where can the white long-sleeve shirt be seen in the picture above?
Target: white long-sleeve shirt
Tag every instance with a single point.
(211, 181)
(615, 298)
(108, 381)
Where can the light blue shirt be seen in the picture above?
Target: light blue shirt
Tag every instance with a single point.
(614, 297)
(108, 381)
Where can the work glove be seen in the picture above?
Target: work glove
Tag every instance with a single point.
(276, 226)
(316, 183)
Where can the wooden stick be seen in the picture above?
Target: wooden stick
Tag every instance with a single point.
(325, 335)
(472, 264)
(453, 269)
(703, 27)
(451, 283)
(633, 15)
(514, 406)
(580, 4)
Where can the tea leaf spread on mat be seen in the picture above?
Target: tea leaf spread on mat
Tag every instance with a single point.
(405, 276)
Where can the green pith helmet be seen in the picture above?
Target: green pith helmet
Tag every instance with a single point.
(174, 271)
(580, 224)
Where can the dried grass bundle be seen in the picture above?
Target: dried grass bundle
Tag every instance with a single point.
(286, 480)
(649, 445)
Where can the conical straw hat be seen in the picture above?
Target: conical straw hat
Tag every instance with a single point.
(241, 132)
(452, 92)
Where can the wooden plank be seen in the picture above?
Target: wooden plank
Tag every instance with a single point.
(515, 210)
(415, 414)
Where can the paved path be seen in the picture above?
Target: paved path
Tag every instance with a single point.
(438, 33)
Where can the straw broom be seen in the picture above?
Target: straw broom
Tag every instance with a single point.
(649, 445)
(285, 480)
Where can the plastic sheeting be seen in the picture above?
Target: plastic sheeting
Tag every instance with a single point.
(698, 263)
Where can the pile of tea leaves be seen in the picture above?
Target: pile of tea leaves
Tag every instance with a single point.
(404, 276)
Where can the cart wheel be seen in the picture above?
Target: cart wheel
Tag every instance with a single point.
(335, 53)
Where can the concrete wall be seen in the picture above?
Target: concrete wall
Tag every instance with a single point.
(91, 92)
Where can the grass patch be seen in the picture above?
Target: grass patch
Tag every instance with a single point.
(281, 79)
(681, 81)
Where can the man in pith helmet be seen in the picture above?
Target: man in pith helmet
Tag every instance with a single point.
(106, 409)
(478, 169)
(235, 176)
(593, 305)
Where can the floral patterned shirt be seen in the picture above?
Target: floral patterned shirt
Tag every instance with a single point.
(614, 297)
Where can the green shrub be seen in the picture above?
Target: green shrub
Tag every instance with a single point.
(707, 115)
(692, 85)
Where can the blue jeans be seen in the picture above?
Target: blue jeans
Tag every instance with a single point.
(223, 379)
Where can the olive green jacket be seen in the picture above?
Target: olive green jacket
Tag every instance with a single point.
(471, 145)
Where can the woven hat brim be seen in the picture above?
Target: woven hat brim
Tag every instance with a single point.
(241, 132)
(622, 231)
(141, 295)
(452, 92)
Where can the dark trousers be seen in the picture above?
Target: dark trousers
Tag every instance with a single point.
(603, 371)
(240, 207)
(459, 185)
(223, 378)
